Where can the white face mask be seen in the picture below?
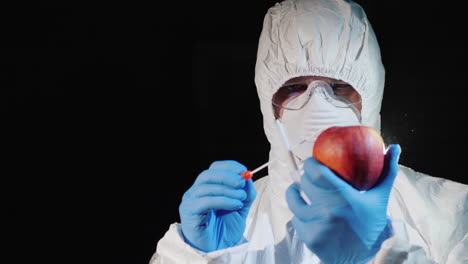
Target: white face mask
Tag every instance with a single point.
(303, 126)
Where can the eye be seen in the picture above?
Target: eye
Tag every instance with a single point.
(344, 89)
(288, 92)
(294, 88)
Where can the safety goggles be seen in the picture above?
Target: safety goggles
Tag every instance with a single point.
(296, 96)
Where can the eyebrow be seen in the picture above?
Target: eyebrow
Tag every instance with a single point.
(295, 79)
(299, 78)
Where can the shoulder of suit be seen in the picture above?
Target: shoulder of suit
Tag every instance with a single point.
(429, 187)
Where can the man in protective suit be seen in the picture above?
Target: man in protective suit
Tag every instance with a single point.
(318, 65)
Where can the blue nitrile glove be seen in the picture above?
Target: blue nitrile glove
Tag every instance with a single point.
(342, 225)
(214, 209)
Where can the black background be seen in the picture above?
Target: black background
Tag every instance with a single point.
(110, 112)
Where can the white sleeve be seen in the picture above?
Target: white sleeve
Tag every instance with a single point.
(432, 224)
(459, 254)
(398, 250)
(172, 249)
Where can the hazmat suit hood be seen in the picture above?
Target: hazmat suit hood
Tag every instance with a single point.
(329, 38)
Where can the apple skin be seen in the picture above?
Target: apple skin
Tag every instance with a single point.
(355, 153)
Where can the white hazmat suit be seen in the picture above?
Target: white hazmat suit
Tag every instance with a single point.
(332, 39)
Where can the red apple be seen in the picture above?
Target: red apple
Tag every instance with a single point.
(354, 153)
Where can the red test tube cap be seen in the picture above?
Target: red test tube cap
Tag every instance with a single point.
(247, 175)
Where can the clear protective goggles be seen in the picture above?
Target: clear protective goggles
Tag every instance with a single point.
(296, 96)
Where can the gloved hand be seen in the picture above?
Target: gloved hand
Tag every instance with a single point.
(341, 224)
(214, 209)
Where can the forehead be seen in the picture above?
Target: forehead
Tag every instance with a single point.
(302, 79)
